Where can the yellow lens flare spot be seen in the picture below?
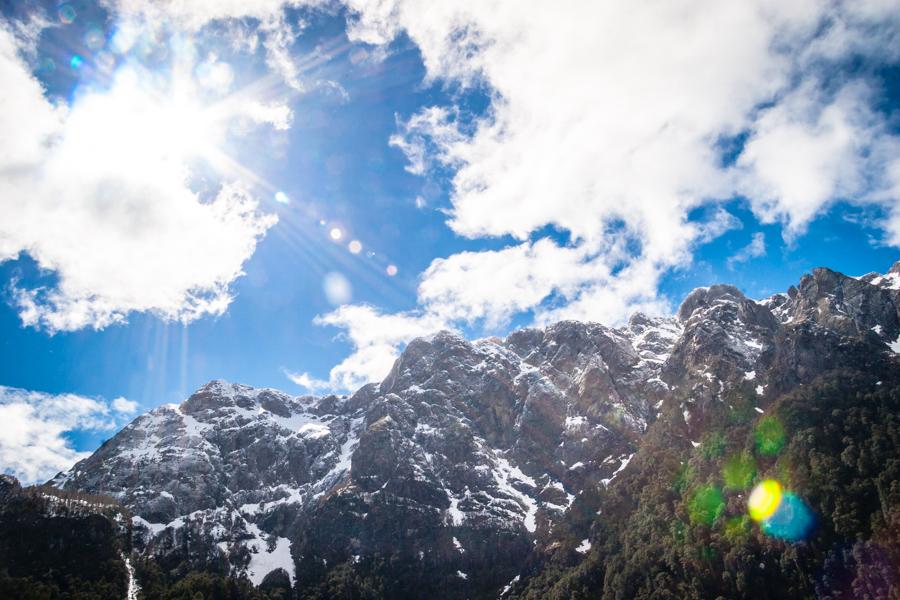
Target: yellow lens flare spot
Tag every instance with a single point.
(764, 500)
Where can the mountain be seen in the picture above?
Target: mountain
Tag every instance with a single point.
(511, 466)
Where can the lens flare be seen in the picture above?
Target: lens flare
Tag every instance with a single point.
(769, 435)
(337, 288)
(738, 472)
(391, 270)
(105, 61)
(792, 520)
(355, 247)
(94, 38)
(281, 198)
(706, 505)
(336, 234)
(764, 500)
(66, 14)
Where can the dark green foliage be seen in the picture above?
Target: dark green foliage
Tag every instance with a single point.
(712, 445)
(674, 525)
(57, 545)
(205, 585)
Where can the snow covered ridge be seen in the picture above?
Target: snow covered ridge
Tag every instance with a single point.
(468, 443)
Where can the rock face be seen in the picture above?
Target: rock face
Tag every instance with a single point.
(468, 453)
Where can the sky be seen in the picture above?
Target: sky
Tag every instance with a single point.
(284, 193)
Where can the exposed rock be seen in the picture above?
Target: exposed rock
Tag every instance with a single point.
(481, 445)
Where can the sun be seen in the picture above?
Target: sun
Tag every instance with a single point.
(152, 118)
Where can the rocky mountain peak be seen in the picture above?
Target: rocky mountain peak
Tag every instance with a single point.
(469, 452)
(889, 281)
(846, 305)
(705, 297)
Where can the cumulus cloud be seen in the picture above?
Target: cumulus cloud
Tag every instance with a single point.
(308, 382)
(98, 194)
(755, 249)
(33, 428)
(608, 120)
(124, 405)
(805, 153)
(276, 33)
(376, 338)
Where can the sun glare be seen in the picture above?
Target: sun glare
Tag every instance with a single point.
(142, 112)
(764, 500)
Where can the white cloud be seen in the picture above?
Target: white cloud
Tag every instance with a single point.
(98, 193)
(195, 14)
(308, 382)
(273, 29)
(605, 122)
(805, 153)
(33, 445)
(124, 405)
(376, 338)
(755, 249)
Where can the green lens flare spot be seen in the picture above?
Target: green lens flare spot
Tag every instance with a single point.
(769, 435)
(706, 505)
(738, 471)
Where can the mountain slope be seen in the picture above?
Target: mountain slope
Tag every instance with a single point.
(472, 459)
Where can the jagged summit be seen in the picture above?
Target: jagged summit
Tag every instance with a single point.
(705, 297)
(469, 452)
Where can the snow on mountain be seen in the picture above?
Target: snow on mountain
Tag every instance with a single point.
(468, 451)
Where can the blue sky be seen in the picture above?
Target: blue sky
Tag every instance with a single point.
(491, 180)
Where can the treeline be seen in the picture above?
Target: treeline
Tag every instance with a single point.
(60, 545)
(156, 584)
(675, 525)
(74, 502)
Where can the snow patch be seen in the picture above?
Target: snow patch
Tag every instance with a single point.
(895, 345)
(153, 528)
(266, 557)
(890, 281)
(509, 585)
(625, 460)
(575, 422)
(584, 546)
(503, 474)
(456, 516)
(134, 589)
(344, 460)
